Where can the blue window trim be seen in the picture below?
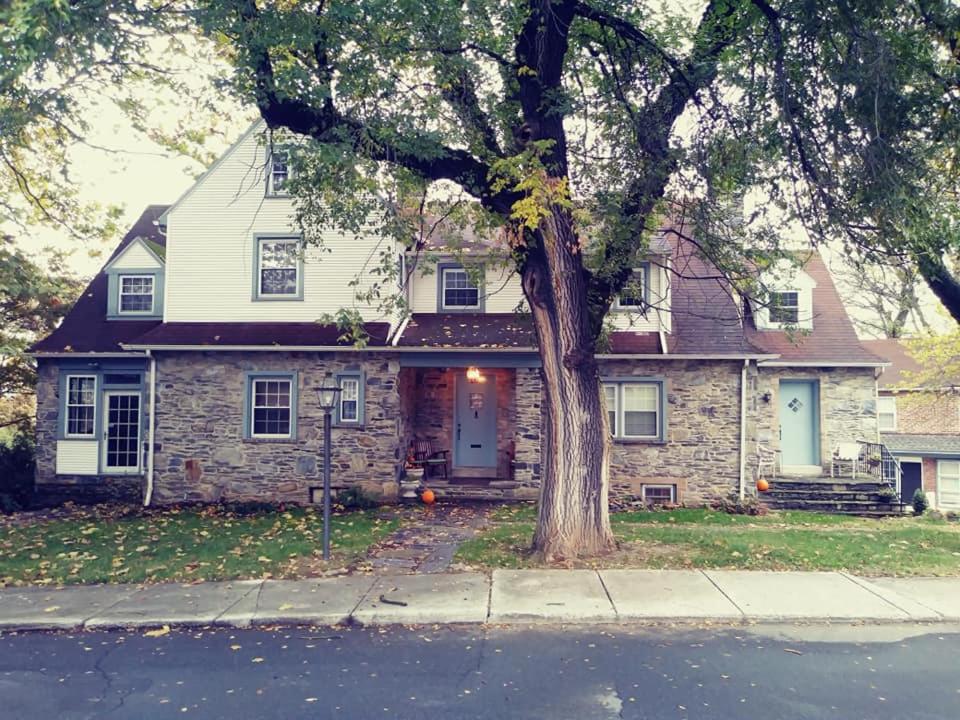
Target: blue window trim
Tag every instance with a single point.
(258, 238)
(360, 377)
(248, 378)
(661, 383)
(481, 291)
(644, 268)
(99, 369)
(113, 294)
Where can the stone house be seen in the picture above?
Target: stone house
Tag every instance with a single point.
(187, 369)
(920, 425)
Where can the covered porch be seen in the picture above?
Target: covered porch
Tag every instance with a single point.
(477, 417)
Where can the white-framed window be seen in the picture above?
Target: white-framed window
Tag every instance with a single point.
(635, 409)
(136, 295)
(633, 295)
(278, 172)
(785, 307)
(457, 292)
(887, 413)
(271, 408)
(349, 400)
(81, 405)
(948, 483)
(278, 267)
(659, 494)
(610, 400)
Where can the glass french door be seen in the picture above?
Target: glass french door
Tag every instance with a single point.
(121, 434)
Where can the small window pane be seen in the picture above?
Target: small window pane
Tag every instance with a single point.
(633, 293)
(271, 408)
(81, 405)
(279, 172)
(349, 399)
(640, 410)
(458, 292)
(784, 307)
(659, 494)
(279, 267)
(136, 294)
(610, 398)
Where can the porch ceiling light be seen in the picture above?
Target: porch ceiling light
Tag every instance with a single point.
(473, 375)
(327, 393)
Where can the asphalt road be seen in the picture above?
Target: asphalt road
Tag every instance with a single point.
(550, 673)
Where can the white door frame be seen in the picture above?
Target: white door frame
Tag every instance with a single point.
(130, 470)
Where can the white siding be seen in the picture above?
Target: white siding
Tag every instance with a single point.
(657, 314)
(77, 457)
(136, 257)
(502, 286)
(210, 250)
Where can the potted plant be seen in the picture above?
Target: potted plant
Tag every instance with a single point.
(412, 477)
(887, 494)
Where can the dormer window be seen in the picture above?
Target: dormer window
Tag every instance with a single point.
(635, 294)
(136, 295)
(457, 291)
(785, 307)
(279, 173)
(279, 268)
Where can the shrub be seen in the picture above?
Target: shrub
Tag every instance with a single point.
(733, 505)
(920, 502)
(17, 464)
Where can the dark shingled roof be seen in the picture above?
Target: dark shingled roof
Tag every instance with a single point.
(469, 330)
(903, 444)
(832, 339)
(86, 328)
(263, 334)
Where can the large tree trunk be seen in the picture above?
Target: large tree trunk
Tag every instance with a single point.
(574, 514)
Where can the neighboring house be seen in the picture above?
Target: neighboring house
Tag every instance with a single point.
(921, 426)
(187, 370)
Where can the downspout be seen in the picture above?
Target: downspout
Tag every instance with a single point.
(743, 428)
(151, 420)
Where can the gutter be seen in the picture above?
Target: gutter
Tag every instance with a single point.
(325, 348)
(743, 428)
(401, 329)
(87, 354)
(822, 363)
(663, 340)
(151, 427)
(675, 356)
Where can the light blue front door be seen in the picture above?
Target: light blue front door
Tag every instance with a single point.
(475, 423)
(799, 418)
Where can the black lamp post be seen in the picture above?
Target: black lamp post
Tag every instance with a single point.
(327, 396)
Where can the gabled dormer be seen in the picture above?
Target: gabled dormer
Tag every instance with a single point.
(789, 301)
(135, 279)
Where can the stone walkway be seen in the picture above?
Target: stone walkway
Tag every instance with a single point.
(428, 544)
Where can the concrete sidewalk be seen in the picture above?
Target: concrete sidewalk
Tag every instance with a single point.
(506, 596)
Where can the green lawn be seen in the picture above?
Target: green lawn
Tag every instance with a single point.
(109, 545)
(690, 538)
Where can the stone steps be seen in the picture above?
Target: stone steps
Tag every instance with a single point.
(846, 496)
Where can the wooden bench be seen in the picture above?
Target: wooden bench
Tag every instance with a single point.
(426, 457)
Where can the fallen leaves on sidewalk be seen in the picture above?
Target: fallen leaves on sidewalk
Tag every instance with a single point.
(159, 632)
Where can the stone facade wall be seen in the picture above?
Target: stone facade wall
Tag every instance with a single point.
(201, 451)
(847, 405)
(701, 454)
(83, 488)
(528, 429)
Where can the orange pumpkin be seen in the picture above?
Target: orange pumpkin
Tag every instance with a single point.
(428, 497)
(762, 485)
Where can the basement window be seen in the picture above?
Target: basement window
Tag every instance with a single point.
(659, 494)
